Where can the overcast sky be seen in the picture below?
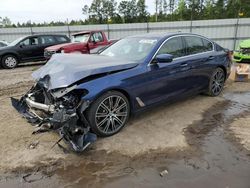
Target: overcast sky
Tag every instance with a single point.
(47, 10)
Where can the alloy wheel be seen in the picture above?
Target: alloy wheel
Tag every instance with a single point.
(10, 62)
(111, 114)
(218, 82)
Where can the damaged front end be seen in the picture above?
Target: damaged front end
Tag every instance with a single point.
(61, 110)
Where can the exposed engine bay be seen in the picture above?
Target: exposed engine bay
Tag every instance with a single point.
(56, 101)
(61, 110)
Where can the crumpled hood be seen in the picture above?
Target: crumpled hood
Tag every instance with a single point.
(71, 45)
(65, 69)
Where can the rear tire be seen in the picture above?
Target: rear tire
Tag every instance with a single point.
(9, 62)
(217, 81)
(109, 113)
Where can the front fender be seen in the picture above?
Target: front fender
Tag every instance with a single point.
(2, 54)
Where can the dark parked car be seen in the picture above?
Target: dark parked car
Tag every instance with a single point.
(27, 49)
(3, 43)
(82, 93)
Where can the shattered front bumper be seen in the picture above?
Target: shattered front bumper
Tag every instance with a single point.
(72, 127)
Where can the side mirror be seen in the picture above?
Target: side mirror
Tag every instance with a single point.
(164, 58)
(21, 45)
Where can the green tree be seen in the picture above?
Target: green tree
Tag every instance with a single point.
(141, 11)
(109, 9)
(128, 10)
(96, 11)
(209, 10)
(100, 11)
(220, 10)
(182, 10)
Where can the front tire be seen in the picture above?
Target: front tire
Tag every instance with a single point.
(217, 81)
(109, 113)
(9, 62)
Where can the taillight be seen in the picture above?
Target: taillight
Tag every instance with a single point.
(230, 54)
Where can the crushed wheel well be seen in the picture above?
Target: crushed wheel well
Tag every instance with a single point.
(224, 70)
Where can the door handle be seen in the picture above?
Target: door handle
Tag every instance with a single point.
(210, 58)
(184, 65)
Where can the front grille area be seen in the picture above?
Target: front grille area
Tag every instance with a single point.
(245, 61)
(48, 54)
(245, 50)
(236, 57)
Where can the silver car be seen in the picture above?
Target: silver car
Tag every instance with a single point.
(3, 43)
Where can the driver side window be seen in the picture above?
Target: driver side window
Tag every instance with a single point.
(97, 37)
(174, 47)
(25, 42)
(30, 42)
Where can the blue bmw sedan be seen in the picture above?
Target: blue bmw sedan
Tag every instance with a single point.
(82, 96)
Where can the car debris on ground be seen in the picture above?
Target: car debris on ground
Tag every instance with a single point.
(163, 173)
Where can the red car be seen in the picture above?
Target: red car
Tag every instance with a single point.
(85, 42)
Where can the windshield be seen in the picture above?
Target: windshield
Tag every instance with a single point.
(81, 38)
(15, 42)
(130, 48)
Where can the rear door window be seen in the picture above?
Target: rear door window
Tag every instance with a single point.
(196, 45)
(174, 47)
(208, 46)
(61, 39)
(47, 39)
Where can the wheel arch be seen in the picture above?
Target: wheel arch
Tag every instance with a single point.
(224, 70)
(121, 90)
(10, 53)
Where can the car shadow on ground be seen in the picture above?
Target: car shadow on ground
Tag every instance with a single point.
(29, 64)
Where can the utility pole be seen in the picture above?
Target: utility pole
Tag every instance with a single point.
(236, 28)
(68, 27)
(156, 10)
(191, 17)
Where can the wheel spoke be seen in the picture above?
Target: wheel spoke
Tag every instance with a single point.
(117, 102)
(113, 124)
(120, 107)
(118, 120)
(110, 103)
(121, 114)
(106, 128)
(102, 122)
(101, 115)
(105, 107)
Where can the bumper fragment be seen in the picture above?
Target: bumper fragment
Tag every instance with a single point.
(63, 121)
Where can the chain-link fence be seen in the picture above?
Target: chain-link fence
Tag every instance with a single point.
(226, 32)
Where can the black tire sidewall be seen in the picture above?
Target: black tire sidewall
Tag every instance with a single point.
(92, 111)
(210, 92)
(3, 61)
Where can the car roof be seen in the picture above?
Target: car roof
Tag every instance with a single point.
(162, 35)
(45, 34)
(83, 32)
